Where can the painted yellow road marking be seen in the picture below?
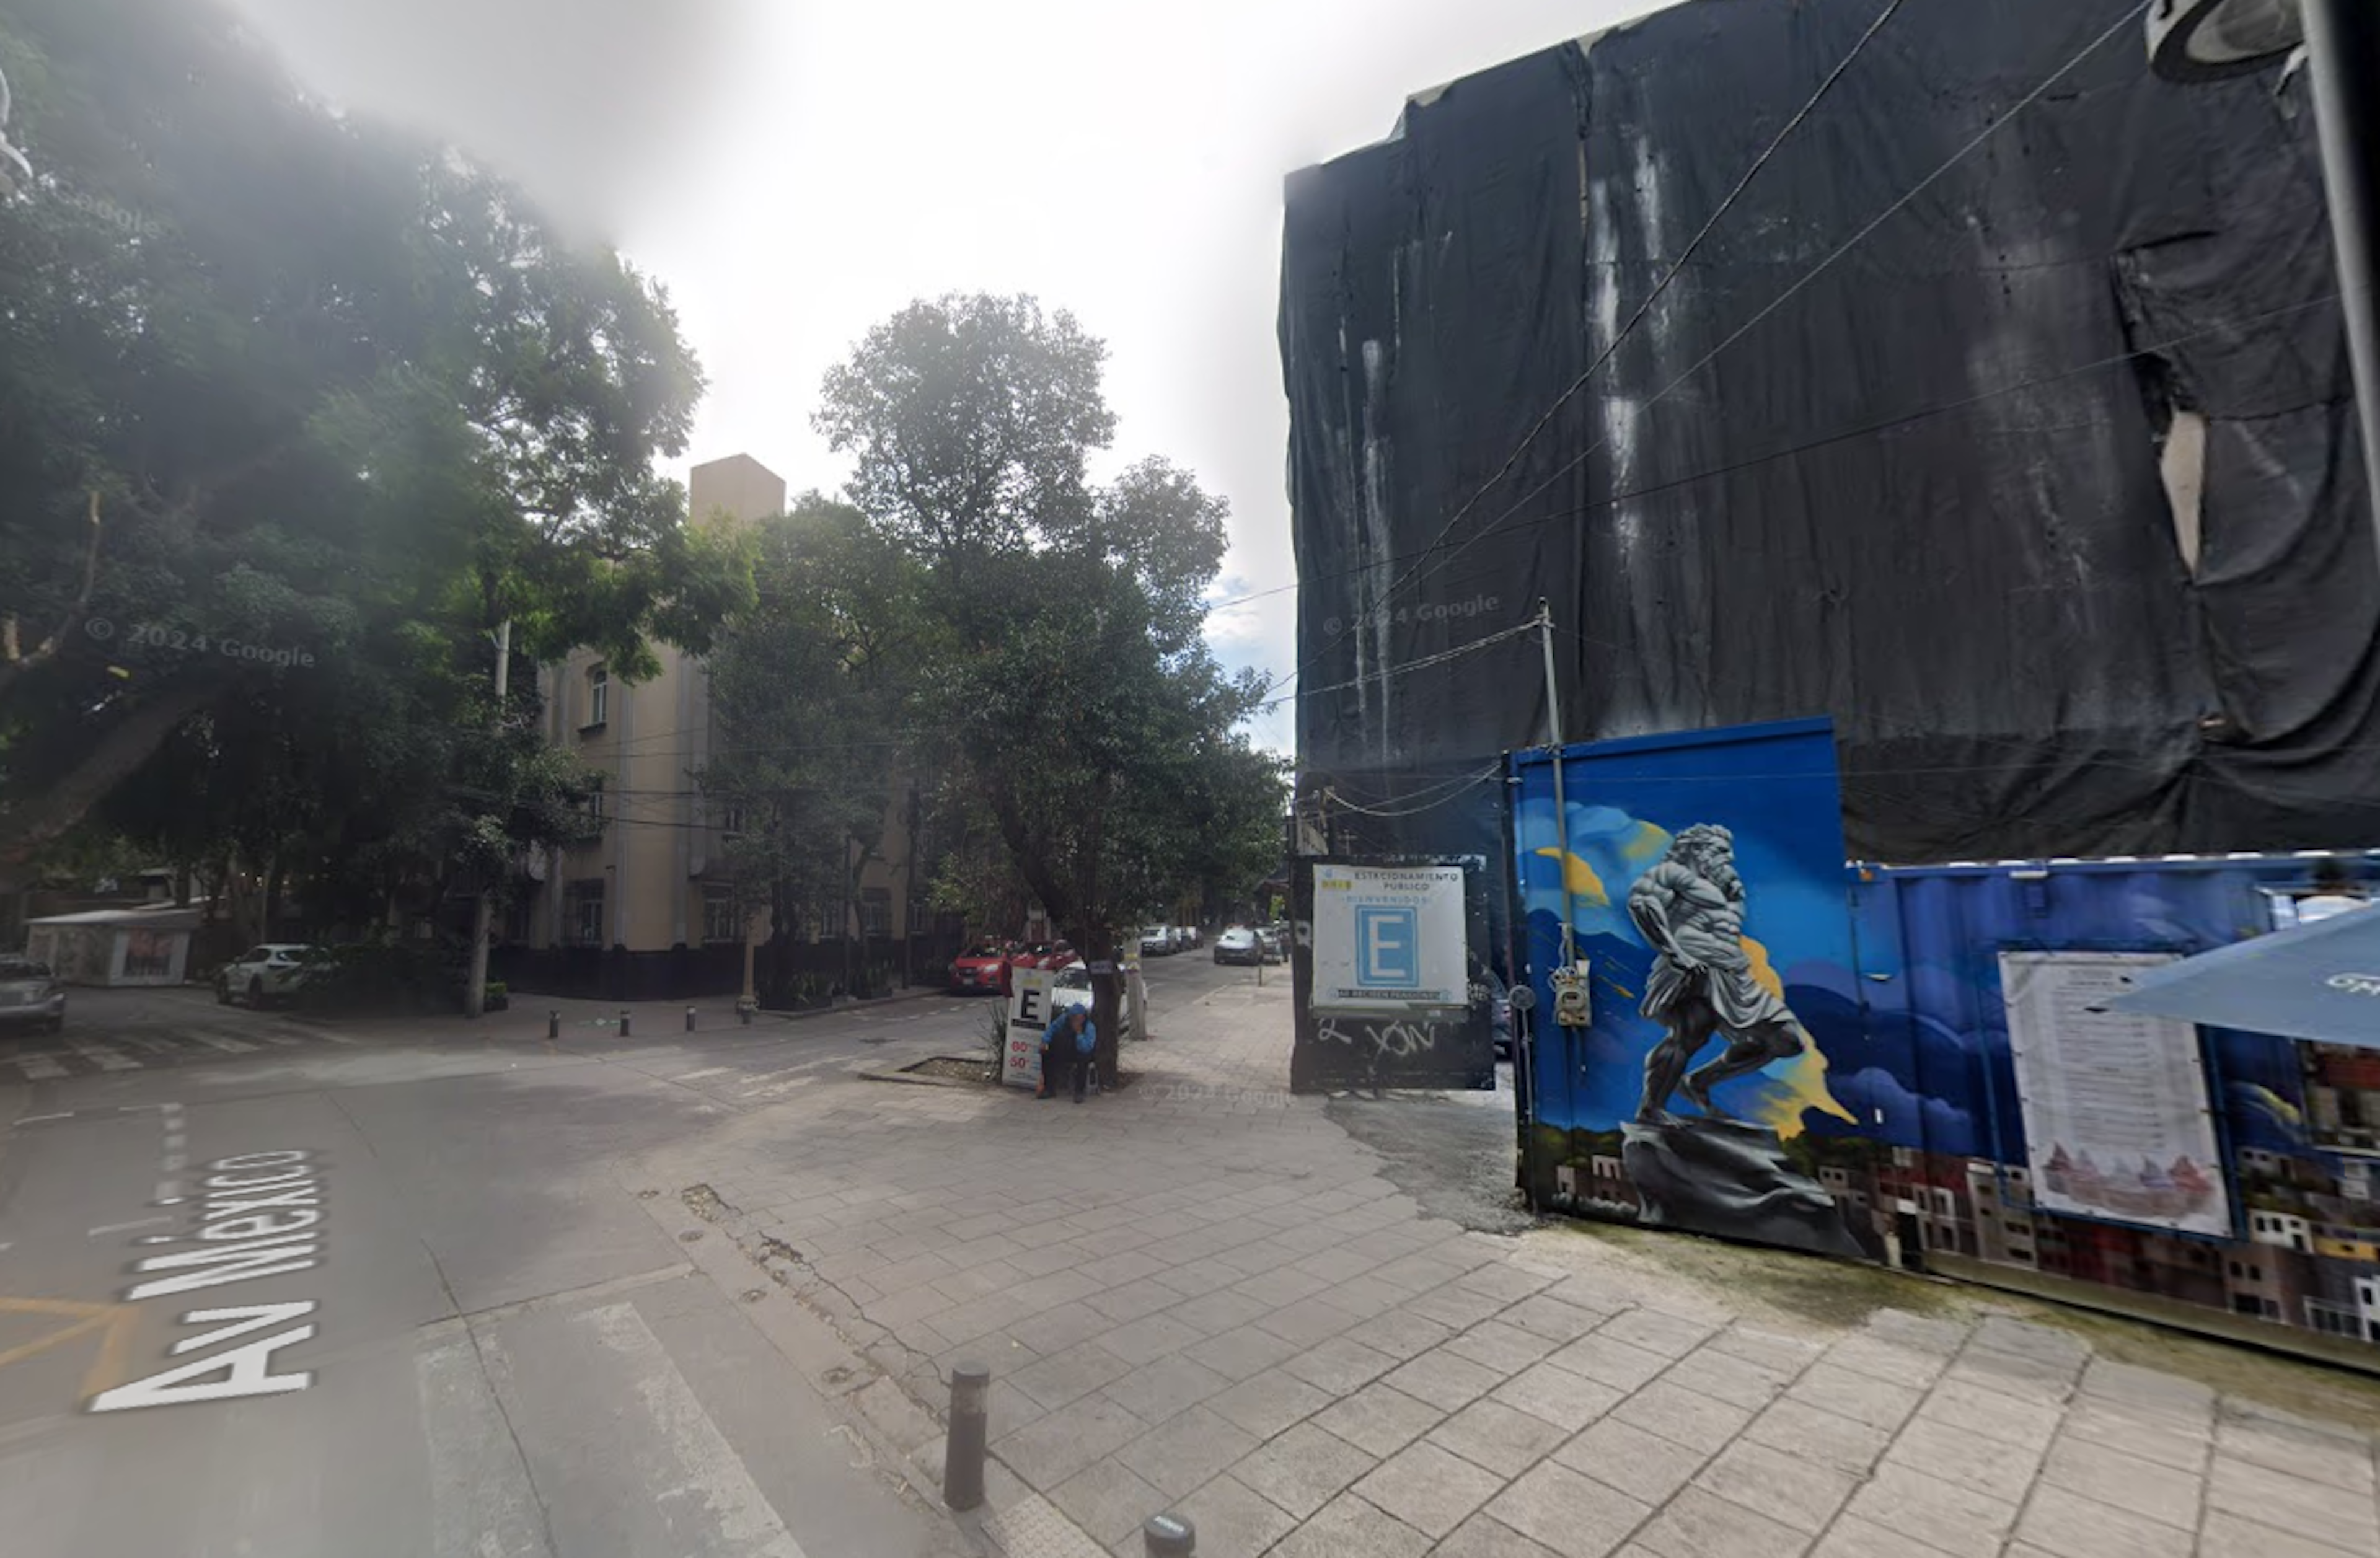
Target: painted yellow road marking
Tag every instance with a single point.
(116, 1320)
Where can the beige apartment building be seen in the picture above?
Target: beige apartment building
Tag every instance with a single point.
(647, 912)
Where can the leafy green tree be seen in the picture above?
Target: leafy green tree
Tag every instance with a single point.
(1063, 682)
(806, 691)
(277, 383)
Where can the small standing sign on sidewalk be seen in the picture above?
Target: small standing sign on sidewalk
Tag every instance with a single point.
(1029, 1014)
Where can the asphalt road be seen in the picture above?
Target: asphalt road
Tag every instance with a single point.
(269, 1290)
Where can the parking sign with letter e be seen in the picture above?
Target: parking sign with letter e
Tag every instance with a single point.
(1388, 948)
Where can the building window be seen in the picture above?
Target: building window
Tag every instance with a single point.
(720, 920)
(599, 697)
(583, 918)
(876, 911)
(730, 816)
(595, 801)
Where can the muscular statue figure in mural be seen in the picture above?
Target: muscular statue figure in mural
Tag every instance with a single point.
(1690, 908)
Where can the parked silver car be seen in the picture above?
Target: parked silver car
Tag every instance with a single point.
(1239, 944)
(30, 994)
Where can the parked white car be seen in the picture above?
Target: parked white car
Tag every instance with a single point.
(1072, 988)
(273, 971)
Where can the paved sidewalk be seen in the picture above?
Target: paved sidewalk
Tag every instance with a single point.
(1203, 1296)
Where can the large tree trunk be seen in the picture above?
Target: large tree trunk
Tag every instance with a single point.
(131, 742)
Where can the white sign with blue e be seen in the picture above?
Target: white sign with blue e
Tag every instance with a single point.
(1389, 938)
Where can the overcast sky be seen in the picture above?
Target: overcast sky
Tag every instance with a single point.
(795, 170)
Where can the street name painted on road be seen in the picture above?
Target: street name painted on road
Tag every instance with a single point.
(260, 1217)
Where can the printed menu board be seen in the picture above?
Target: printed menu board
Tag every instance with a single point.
(2116, 1121)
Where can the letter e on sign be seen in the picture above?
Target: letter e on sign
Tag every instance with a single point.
(1388, 950)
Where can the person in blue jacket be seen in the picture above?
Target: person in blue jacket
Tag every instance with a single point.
(1066, 1045)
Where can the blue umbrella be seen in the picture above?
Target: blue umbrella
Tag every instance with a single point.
(2319, 982)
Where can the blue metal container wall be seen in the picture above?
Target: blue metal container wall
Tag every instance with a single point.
(1914, 1127)
(1931, 939)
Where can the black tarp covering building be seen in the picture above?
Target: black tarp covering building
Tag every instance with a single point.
(2049, 492)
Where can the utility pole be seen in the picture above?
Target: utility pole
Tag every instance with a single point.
(1562, 798)
(909, 898)
(483, 912)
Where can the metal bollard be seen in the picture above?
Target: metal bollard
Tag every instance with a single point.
(623, 1022)
(553, 1025)
(970, 1424)
(1170, 1536)
(744, 1014)
(689, 1019)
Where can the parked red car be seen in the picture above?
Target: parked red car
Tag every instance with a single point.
(982, 967)
(1044, 954)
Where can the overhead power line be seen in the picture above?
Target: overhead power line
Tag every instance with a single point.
(1815, 272)
(1897, 205)
(1438, 658)
(1446, 794)
(1505, 523)
(1644, 308)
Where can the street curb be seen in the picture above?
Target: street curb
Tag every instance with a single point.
(905, 1078)
(896, 1434)
(919, 992)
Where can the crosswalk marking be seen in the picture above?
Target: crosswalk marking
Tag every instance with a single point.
(102, 1050)
(106, 1059)
(730, 1505)
(481, 1504)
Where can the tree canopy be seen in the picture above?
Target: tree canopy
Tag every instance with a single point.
(293, 411)
(1063, 680)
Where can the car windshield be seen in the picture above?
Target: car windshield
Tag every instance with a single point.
(23, 968)
(984, 949)
(1074, 979)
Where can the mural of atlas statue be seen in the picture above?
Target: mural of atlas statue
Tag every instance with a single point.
(1690, 909)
